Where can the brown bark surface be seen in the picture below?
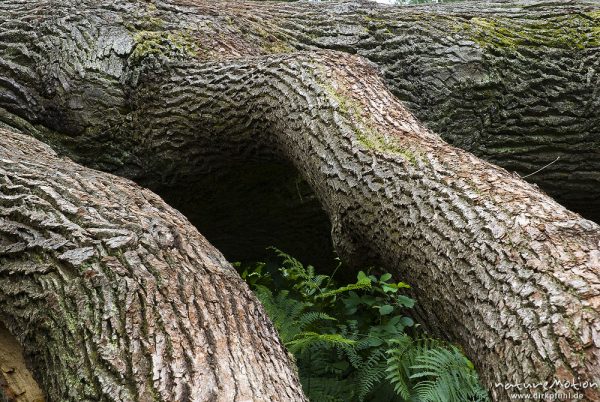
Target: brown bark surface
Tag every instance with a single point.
(168, 92)
(115, 296)
(16, 381)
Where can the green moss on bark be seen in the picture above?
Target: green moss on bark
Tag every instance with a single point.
(366, 133)
(578, 31)
(171, 44)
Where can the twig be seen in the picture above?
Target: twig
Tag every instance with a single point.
(542, 168)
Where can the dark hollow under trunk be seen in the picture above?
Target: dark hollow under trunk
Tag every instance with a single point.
(247, 207)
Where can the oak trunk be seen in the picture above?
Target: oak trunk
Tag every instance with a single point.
(346, 95)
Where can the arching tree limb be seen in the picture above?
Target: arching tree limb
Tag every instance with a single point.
(516, 83)
(497, 265)
(115, 296)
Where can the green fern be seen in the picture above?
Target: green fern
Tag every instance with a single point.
(353, 286)
(401, 357)
(307, 319)
(304, 279)
(450, 381)
(371, 373)
(327, 389)
(306, 339)
(351, 342)
(431, 371)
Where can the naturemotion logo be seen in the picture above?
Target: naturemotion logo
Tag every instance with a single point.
(555, 390)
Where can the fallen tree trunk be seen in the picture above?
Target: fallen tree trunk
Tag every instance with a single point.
(115, 296)
(514, 83)
(496, 265)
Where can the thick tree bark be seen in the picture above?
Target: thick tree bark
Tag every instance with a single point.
(115, 296)
(516, 84)
(496, 264)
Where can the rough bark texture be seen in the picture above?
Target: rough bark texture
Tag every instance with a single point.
(496, 264)
(516, 84)
(519, 286)
(115, 296)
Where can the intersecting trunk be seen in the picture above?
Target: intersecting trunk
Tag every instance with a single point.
(514, 83)
(166, 93)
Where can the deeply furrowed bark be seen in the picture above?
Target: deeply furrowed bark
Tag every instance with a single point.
(496, 265)
(519, 287)
(115, 296)
(514, 83)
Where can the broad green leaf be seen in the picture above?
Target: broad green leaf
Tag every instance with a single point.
(387, 309)
(405, 301)
(385, 277)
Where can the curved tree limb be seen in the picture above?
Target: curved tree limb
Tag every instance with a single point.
(514, 83)
(115, 296)
(497, 265)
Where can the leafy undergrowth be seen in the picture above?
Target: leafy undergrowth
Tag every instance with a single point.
(355, 342)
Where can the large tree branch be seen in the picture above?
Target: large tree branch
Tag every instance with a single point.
(496, 264)
(115, 296)
(514, 83)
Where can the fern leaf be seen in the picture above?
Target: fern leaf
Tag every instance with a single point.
(311, 317)
(371, 373)
(348, 288)
(305, 339)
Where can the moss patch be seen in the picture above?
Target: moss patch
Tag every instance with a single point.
(153, 36)
(577, 31)
(278, 47)
(164, 43)
(366, 133)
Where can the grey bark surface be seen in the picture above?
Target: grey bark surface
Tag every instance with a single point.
(166, 92)
(514, 83)
(116, 296)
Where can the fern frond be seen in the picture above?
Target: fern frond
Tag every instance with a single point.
(371, 373)
(305, 339)
(284, 311)
(354, 358)
(450, 378)
(348, 288)
(398, 368)
(311, 317)
(327, 389)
